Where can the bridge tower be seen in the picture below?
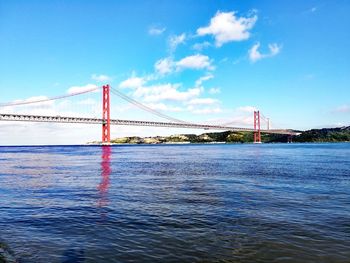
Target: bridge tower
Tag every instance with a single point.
(257, 135)
(106, 117)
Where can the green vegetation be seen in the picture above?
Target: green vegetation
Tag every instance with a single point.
(315, 135)
(325, 135)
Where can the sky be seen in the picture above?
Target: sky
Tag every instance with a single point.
(199, 61)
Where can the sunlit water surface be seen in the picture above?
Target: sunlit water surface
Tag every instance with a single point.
(176, 203)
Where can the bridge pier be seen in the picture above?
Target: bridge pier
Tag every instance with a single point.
(106, 117)
(290, 138)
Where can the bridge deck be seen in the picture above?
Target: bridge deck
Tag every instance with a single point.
(82, 120)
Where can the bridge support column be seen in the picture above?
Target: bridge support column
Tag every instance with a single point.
(257, 135)
(106, 130)
(290, 139)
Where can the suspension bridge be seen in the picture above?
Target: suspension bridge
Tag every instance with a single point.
(106, 121)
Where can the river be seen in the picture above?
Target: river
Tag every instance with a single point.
(176, 203)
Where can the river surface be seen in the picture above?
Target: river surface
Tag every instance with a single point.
(176, 203)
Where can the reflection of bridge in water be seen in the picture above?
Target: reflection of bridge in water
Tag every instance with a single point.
(106, 121)
(105, 176)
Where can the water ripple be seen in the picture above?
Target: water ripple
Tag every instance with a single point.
(188, 203)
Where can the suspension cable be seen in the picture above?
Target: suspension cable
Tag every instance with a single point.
(233, 122)
(144, 107)
(227, 123)
(263, 117)
(6, 104)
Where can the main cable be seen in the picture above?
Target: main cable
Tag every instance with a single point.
(48, 99)
(144, 107)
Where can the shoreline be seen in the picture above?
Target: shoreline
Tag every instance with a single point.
(154, 144)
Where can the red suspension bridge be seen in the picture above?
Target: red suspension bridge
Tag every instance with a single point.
(106, 120)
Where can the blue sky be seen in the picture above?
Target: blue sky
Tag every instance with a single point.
(201, 61)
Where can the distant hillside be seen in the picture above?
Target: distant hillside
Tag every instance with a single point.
(325, 135)
(314, 135)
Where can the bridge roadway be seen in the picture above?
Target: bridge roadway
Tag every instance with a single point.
(82, 120)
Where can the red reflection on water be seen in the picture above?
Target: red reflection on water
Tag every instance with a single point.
(105, 174)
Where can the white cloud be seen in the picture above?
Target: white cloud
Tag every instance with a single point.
(77, 89)
(156, 30)
(207, 110)
(168, 65)
(88, 101)
(203, 101)
(132, 82)
(163, 96)
(201, 46)
(163, 107)
(227, 27)
(214, 91)
(158, 92)
(167, 91)
(101, 78)
(255, 54)
(342, 109)
(203, 78)
(274, 49)
(43, 104)
(176, 40)
(248, 109)
(164, 66)
(238, 121)
(223, 60)
(195, 62)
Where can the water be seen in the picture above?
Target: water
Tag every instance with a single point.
(184, 203)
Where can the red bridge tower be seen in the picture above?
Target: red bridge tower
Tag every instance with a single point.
(257, 135)
(106, 117)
